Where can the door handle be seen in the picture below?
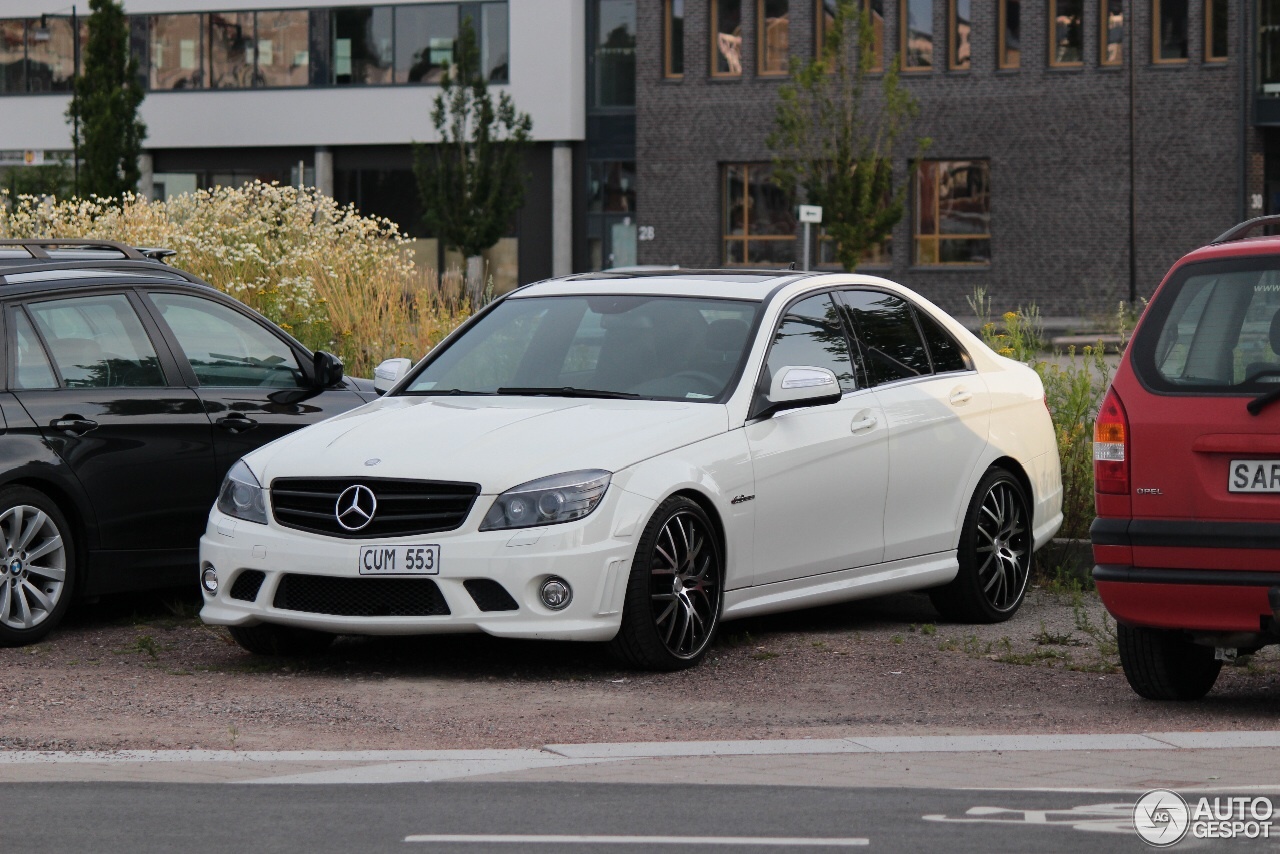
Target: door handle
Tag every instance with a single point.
(864, 423)
(73, 425)
(961, 396)
(237, 423)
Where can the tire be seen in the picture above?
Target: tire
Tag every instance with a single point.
(665, 628)
(272, 639)
(1163, 665)
(994, 554)
(39, 572)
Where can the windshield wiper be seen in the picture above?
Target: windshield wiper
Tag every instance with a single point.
(569, 391)
(1262, 401)
(449, 391)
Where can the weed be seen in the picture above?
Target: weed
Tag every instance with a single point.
(929, 629)
(764, 655)
(948, 645)
(1044, 637)
(1104, 639)
(818, 644)
(1035, 656)
(896, 638)
(234, 733)
(732, 639)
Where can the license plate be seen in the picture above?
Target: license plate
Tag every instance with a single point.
(1254, 476)
(399, 560)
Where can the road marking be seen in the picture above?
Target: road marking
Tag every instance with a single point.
(522, 839)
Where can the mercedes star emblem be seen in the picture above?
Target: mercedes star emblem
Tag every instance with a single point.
(355, 507)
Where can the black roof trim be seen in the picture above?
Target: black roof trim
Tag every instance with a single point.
(1240, 231)
(38, 247)
(143, 267)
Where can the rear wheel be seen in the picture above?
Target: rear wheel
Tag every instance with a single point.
(994, 554)
(38, 570)
(1164, 665)
(272, 639)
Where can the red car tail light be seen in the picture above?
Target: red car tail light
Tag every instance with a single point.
(1111, 447)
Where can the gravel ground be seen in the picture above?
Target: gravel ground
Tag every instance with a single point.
(145, 673)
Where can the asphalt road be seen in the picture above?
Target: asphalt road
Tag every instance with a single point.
(556, 817)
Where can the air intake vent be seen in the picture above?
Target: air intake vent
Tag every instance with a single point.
(247, 585)
(361, 597)
(489, 595)
(404, 507)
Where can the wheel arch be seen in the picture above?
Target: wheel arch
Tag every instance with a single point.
(77, 516)
(709, 507)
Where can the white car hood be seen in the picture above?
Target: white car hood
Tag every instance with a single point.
(497, 442)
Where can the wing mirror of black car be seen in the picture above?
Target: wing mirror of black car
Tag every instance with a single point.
(326, 370)
(795, 387)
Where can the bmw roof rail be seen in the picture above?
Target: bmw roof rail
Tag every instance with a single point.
(39, 248)
(1240, 231)
(144, 267)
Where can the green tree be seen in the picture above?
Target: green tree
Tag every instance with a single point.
(106, 98)
(834, 135)
(472, 182)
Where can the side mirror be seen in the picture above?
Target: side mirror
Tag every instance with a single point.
(389, 373)
(794, 387)
(326, 370)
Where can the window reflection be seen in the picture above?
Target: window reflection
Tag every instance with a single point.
(284, 55)
(917, 34)
(176, 60)
(615, 53)
(231, 49)
(612, 187)
(961, 24)
(495, 50)
(13, 56)
(361, 46)
(952, 222)
(1170, 22)
(1010, 33)
(759, 220)
(1112, 32)
(726, 34)
(425, 38)
(673, 31)
(51, 54)
(1215, 30)
(1067, 17)
(775, 27)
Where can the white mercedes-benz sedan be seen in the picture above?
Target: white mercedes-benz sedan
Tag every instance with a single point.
(635, 458)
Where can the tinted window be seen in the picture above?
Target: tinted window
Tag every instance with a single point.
(97, 342)
(32, 365)
(890, 340)
(946, 352)
(811, 335)
(225, 348)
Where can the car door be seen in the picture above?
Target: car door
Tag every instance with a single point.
(821, 471)
(937, 412)
(248, 375)
(110, 402)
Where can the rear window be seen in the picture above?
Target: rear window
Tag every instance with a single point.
(1214, 328)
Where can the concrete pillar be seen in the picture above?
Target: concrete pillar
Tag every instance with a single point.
(324, 170)
(561, 209)
(146, 176)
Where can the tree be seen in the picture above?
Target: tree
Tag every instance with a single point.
(106, 97)
(834, 136)
(472, 182)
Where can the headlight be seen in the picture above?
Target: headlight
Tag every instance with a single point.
(242, 496)
(548, 500)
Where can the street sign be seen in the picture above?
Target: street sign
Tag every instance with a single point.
(810, 213)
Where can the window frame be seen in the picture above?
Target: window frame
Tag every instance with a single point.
(1104, 30)
(953, 37)
(1053, 36)
(715, 42)
(762, 43)
(1156, 59)
(938, 236)
(668, 39)
(1210, 24)
(1002, 46)
(860, 347)
(11, 351)
(746, 238)
(904, 36)
(854, 345)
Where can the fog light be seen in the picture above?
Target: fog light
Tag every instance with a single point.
(556, 593)
(209, 579)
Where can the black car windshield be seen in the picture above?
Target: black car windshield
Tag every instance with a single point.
(658, 348)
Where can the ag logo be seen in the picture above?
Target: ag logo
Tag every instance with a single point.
(1161, 817)
(355, 507)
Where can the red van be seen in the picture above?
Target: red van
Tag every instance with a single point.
(1187, 471)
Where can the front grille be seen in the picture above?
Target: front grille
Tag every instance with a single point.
(405, 507)
(247, 585)
(361, 597)
(489, 595)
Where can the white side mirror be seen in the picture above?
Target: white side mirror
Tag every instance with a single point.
(389, 373)
(802, 384)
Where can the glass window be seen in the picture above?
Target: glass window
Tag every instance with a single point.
(1215, 30)
(495, 53)
(1010, 33)
(945, 352)
(759, 220)
(227, 349)
(13, 57)
(97, 342)
(612, 186)
(811, 335)
(1269, 47)
(887, 332)
(952, 223)
(231, 49)
(615, 53)
(775, 35)
(361, 49)
(424, 42)
(673, 38)
(284, 51)
(917, 35)
(177, 55)
(1112, 39)
(1169, 19)
(726, 38)
(51, 54)
(32, 369)
(960, 46)
(1066, 23)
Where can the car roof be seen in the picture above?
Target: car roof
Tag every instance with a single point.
(42, 264)
(744, 283)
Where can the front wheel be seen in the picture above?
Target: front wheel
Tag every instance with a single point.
(1164, 665)
(675, 591)
(38, 572)
(994, 554)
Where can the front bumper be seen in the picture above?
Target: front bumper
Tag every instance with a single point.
(1190, 599)
(593, 555)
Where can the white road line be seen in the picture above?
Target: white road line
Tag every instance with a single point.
(520, 839)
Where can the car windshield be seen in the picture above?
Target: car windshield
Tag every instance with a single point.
(1215, 327)
(659, 348)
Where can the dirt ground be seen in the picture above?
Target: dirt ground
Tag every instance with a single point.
(145, 673)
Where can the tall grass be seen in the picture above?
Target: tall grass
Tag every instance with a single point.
(333, 278)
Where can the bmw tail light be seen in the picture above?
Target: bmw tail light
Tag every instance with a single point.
(1111, 447)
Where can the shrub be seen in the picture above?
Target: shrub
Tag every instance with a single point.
(331, 277)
